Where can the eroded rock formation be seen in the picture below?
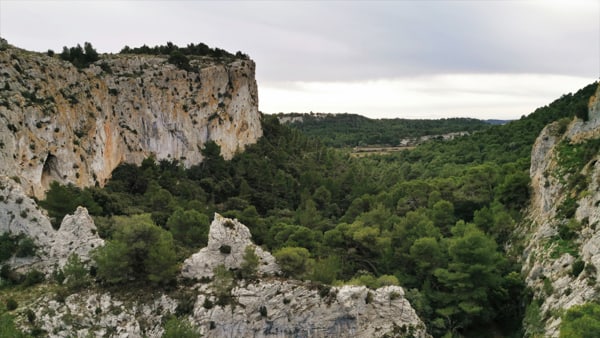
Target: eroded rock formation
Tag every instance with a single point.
(227, 242)
(20, 215)
(60, 123)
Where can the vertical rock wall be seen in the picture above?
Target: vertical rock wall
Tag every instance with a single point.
(73, 125)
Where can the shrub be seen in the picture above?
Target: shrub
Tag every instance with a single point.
(577, 267)
(222, 284)
(30, 316)
(7, 327)
(369, 297)
(225, 249)
(11, 304)
(80, 57)
(75, 274)
(249, 266)
(26, 248)
(189, 227)
(185, 306)
(181, 61)
(180, 328)
(293, 261)
(581, 321)
(33, 277)
(140, 250)
(263, 311)
(8, 246)
(207, 304)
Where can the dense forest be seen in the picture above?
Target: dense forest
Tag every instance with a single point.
(351, 130)
(435, 219)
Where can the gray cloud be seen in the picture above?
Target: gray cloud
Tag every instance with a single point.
(312, 41)
(335, 41)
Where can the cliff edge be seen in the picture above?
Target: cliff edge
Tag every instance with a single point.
(61, 123)
(561, 257)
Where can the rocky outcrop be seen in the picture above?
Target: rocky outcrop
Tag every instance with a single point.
(90, 314)
(60, 123)
(227, 242)
(269, 308)
(288, 308)
(264, 307)
(77, 235)
(21, 216)
(549, 256)
(292, 309)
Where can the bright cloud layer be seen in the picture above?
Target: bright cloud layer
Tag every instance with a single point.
(483, 96)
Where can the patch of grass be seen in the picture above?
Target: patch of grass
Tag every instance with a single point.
(562, 247)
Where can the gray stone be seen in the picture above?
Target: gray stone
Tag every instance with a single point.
(225, 232)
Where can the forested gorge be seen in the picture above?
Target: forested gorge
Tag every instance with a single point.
(435, 219)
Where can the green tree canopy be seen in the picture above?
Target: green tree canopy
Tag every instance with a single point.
(581, 321)
(293, 261)
(140, 250)
(189, 227)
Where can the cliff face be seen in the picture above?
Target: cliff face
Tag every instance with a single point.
(75, 126)
(562, 230)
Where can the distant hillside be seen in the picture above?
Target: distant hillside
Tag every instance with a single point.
(351, 130)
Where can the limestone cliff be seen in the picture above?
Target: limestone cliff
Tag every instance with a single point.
(562, 231)
(73, 125)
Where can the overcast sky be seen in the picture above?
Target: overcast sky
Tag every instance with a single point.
(411, 59)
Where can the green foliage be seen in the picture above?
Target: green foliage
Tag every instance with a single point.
(567, 230)
(533, 322)
(250, 263)
(581, 321)
(563, 246)
(263, 311)
(139, 250)
(223, 283)
(33, 277)
(180, 328)
(76, 275)
(436, 217)
(180, 60)
(191, 49)
(326, 270)
(8, 328)
(189, 227)
(514, 191)
(293, 261)
(472, 277)
(80, 57)
(8, 246)
(64, 199)
(577, 267)
(372, 282)
(26, 248)
(349, 130)
(572, 157)
(11, 304)
(19, 245)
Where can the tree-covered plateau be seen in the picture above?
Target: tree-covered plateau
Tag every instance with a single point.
(350, 130)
